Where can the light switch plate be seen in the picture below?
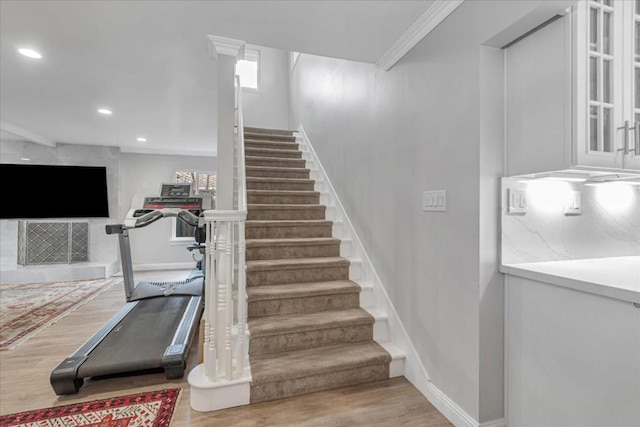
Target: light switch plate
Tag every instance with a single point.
(434, 200)
(516, 202)
(573, 204)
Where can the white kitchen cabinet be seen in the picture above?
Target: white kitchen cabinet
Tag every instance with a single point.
(571, 88)
(572, 347)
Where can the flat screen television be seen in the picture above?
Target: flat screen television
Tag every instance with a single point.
(53, 191)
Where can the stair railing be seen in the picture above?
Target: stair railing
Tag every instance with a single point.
(225, 344)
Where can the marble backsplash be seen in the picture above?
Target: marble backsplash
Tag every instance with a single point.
(608, 226)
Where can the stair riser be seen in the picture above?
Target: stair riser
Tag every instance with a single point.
(301, 275)
(276, 163)
(313, 212)
(278, 199)
(281, 186)
(266, 131)
(313, 383)
(293, 251)
(291, 173)
(271, 145)
(285, 232)
(260, 346)
(269, 137)
(283, 154)
(303, 305)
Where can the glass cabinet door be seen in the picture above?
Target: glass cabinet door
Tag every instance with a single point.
(602, 65)
(608, 82)
(631, 118)
(636, 69)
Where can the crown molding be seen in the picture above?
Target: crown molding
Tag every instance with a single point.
(26, 134)
(225, 46)
(429, 20)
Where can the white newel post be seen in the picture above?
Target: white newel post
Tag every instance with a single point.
(225, 52)
(223, 380)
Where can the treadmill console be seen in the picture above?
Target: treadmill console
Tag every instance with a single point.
(173, 201)
(175, 190)
(192, 204)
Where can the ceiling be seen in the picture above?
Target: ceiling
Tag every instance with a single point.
(149, 62)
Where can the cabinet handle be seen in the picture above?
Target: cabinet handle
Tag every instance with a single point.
(636, 139)
(625, 139)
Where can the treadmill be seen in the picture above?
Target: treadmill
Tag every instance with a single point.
(155, 328)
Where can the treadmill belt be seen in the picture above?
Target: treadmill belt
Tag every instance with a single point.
(138, 342)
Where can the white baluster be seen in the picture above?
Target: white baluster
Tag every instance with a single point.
(224, 276)
(242, 302)
(228, 354)
(209, 345)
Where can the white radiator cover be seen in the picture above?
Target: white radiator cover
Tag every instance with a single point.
(52, 242)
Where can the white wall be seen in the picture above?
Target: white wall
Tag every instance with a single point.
(384, 138)
(269, 107)
(101, 247)
(491, 284)
(128, 174)
(143, 174)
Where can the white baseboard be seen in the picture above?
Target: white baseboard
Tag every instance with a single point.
(446, 406)
(415, 371)
(58, 272)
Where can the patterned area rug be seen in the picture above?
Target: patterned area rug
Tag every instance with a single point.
(151, 409)
(26, 309)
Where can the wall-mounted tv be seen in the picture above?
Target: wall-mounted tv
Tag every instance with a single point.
(53, 191)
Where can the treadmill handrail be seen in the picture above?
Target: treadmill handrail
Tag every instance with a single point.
(149, 218)
(189, 218)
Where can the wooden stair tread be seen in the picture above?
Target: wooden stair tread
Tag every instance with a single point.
(274, 168)
(270, 151)
(296, 263)
(280, 206)
(286, 223)
(290, 323)
(274, 159)
(301, 290)
(269, 137)
(318, 360)
(278, 180)
(292, 241)
(284, 192)
(263, 143)
(276, 131)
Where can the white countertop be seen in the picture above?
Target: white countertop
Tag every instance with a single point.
(615, 277)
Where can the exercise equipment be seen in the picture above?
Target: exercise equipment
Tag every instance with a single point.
(155, 328)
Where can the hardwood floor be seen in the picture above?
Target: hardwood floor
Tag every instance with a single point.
(25, 370)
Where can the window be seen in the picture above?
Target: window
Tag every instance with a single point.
(249, 70)
(203, 184)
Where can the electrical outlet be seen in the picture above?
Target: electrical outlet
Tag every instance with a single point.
(517, 202)
(434, 200)
(573, 204)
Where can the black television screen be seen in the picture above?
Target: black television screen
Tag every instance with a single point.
(53, 191)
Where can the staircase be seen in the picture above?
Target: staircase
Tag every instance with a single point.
(307, 329)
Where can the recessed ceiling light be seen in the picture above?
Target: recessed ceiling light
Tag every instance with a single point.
(25, 159)
(141, 139)
(104, 111)
(30, 53)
